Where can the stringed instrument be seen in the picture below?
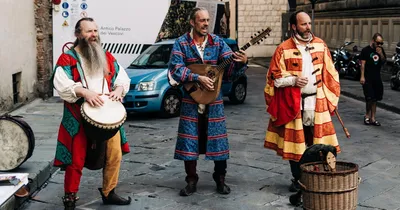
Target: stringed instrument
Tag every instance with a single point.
(201, 94)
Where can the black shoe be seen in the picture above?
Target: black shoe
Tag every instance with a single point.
(114, 199)
(376, 123)
(222, 188)
(294, 187)
(295, 199)
(191, 186)
(189, 189)
(69, 201)
(367, 121)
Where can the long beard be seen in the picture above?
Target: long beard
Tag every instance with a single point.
(93, 55)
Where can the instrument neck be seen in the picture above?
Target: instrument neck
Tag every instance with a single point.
(228, 61)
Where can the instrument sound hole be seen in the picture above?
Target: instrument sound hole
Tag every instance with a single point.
(211, 74)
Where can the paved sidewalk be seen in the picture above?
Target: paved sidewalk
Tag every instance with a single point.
(44, 116)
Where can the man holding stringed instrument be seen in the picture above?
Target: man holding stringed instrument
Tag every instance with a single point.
(202, 128)
(87, 76)
(302, 92)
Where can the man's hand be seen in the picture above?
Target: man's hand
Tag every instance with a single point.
(206, 82)
(240, 57)
(301, 81)
(93, 98)
(116, 95)
(362, 80)
(380, 52)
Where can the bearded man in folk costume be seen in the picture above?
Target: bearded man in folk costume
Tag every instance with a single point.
(202, 128)
(302, 92)
(86, 66)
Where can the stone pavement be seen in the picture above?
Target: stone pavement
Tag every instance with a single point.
(380, 174)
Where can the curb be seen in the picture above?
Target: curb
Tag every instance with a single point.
(36, 182)
(378, 104)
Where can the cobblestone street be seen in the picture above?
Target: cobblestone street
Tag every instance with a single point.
(258, 178)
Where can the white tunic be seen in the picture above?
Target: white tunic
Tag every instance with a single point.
(66, 87)
(200, 49)
(307, 69)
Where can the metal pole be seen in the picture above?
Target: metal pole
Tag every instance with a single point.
(312, 20)
(236, 21)
(312, 14)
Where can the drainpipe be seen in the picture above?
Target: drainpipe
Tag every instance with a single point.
(312, 13)
(236, 20)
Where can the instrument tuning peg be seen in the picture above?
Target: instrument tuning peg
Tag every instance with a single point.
(261, 40)
(263, 29)
(251, 37)
(258, 42)
(255, 34)
(258, 31)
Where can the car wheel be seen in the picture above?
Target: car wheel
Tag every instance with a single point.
(171, 104)
(238, 92)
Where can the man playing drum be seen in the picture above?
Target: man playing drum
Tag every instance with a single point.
(82, 74)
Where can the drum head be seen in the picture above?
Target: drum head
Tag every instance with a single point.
(14, 145)
(111, 113)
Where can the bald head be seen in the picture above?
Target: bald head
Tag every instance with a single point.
(300, 23)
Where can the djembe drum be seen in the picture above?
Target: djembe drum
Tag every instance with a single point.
(100, 124)
(17, 142)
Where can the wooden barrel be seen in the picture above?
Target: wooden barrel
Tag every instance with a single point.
(327, 190)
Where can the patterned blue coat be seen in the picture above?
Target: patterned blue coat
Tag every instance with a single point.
(185, 53)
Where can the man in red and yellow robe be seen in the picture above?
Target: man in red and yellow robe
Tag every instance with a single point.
(300, 64)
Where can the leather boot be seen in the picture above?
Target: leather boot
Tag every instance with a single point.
(294, 186)
(69, 201)
(222, 188)
(114, 199)
(191, 178)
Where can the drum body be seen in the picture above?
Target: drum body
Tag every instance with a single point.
(102, 123)
(17, 142)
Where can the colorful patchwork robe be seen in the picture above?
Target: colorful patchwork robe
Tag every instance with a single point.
(185, 53)
(285, 130)
(71, 123)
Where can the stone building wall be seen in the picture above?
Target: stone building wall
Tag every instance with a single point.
(44, 22)
(17, 53)
(337, 21)
(254, 15)
(25, 55)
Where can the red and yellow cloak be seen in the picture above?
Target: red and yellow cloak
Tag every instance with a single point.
(285, 130)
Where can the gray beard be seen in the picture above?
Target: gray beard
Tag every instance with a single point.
(302, 38)
(94, 56)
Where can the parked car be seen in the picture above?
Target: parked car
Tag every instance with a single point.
(150, 90)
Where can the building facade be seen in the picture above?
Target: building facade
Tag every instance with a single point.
(17, 53)
(26, 52)
(338, 21)
(255, 15)
(25, 55)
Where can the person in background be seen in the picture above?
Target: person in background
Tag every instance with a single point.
(372, 59)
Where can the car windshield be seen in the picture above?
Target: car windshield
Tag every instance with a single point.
(156, 56)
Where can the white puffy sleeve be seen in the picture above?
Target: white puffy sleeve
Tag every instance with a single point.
(65, 86)
(122, 80)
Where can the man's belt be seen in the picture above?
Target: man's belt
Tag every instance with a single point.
(305, 95)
